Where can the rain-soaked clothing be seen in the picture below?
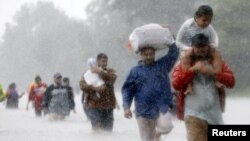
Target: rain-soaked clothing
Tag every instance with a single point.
(150, 86)
(36, 94)
(57, 100)
(205, 104)
(71, 97)
(12, 98)
(181, 79)
(107, 97)
(189, 29)
(100, 109)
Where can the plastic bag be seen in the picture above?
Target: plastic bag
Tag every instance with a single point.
(164, 123)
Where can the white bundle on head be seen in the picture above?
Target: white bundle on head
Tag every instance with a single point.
(150, 35)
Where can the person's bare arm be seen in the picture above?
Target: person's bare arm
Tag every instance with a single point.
(203, 67)
(128, 114)
(108, 75)
(186, 60)
(21, 95)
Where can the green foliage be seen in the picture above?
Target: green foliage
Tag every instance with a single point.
(114, 20)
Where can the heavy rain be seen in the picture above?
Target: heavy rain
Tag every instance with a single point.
(48, 38)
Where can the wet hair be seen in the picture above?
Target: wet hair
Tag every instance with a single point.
(200, 40)
(204, 10)
(12, 85)
(65, 79)
(101, 56)
(145, 48)
(38, 78)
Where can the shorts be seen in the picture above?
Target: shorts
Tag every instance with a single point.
(196, 129)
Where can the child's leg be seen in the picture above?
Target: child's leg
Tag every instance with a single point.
(186, 60)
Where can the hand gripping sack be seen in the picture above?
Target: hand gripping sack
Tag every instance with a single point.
(150, 35)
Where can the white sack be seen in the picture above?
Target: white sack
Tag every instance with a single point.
(164, 123)
(153, 35)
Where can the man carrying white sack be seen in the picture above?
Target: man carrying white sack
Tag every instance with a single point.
(148, 82)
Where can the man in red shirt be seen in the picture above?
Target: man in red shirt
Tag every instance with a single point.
(206, 102)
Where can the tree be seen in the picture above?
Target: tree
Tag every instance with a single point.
(231, 21)
(43, 41)
(113, 20)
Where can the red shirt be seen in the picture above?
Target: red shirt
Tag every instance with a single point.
(181, 79)
(36, 90)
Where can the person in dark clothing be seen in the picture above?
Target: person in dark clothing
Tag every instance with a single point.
(206, 103)
(56, 99)
(12, 97)
(100, 110)
(84, 105)
(148, 84)
(66, 83)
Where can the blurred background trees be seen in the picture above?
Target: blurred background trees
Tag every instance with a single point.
(43, 40)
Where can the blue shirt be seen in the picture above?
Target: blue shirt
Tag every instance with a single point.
(149, 86)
